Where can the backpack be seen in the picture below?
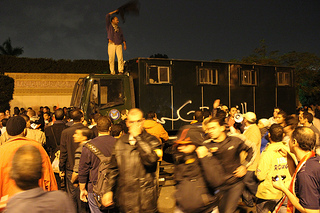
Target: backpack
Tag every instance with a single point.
(102, 181)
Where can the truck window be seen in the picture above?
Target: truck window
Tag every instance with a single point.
(208, 76)
(77, 93)
(284, 78)
(249, 77)
(111, 92)
(158, 75)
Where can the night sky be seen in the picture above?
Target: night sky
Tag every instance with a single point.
(181, 29)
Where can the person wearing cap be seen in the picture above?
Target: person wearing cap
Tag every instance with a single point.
(16, 132)
(193, 192)
(227, 150)
(253, 139)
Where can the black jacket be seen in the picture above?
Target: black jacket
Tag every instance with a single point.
(53, 136)
(228, 153)
(68, 147)
(196, 183)
(132, 175)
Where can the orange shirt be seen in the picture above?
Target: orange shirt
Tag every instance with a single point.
(7, 151)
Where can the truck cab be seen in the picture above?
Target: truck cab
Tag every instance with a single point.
(103, 93)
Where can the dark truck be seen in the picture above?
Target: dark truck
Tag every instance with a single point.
(175, 88)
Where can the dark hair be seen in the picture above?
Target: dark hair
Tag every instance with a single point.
(220, 120)
(308, 116)
(198, 115)
(116, 129)
(4, 121)
(112, 18)
(305, 137)
(206, 113)
(150, 115)
(25, 117)
(292, 121)
(276, 132)
(103, 124)
(85, 131)
(26, 167)
(59, 114)
(282, 113)
(76, 115)
(16, 111)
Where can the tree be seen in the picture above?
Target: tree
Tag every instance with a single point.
(262, 56)
(6, 92)
(307, 70)
(7, 49)
(307, 75)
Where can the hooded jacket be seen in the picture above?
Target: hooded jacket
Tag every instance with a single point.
(156, 129)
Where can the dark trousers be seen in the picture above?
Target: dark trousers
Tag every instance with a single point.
(250, 188)
(230, 197)
(74, 193)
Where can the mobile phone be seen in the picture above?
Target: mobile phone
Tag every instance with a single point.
(276, 178)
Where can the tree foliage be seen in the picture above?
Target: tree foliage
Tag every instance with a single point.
(307, 69)
(6, 92)
(7, 49)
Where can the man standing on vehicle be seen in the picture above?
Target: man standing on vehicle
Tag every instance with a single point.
(115, 40)
(131, 174)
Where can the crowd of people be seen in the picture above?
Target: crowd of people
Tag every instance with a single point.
(222, 160)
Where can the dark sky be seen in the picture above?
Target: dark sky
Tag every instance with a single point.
(182, 29)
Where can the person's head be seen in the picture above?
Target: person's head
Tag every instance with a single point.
(46, 116)
(263, 123)
(16, 126)
(206, 113)
(82, 135)
(31, 113)
(225, 108)
(198, 115)
(7, 113)
(77, 116)
(135, 119)
(302, 138)
(4, 122)
(280, 118)
(151, 115)
(2, 116)
(189, 137)
(291, 122)
(233, 111)
(26, 167)
(115, 20)
(103, 124)
(116, 130)
(95, 117)
(216, 128)
(46, 109)
(59, 114)
(16, 111)
(276, 133)
(54, 108)
(249, 118)
(276, 110)
(306, 118)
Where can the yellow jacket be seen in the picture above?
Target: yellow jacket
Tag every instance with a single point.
(272, 163)
(156, 129)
